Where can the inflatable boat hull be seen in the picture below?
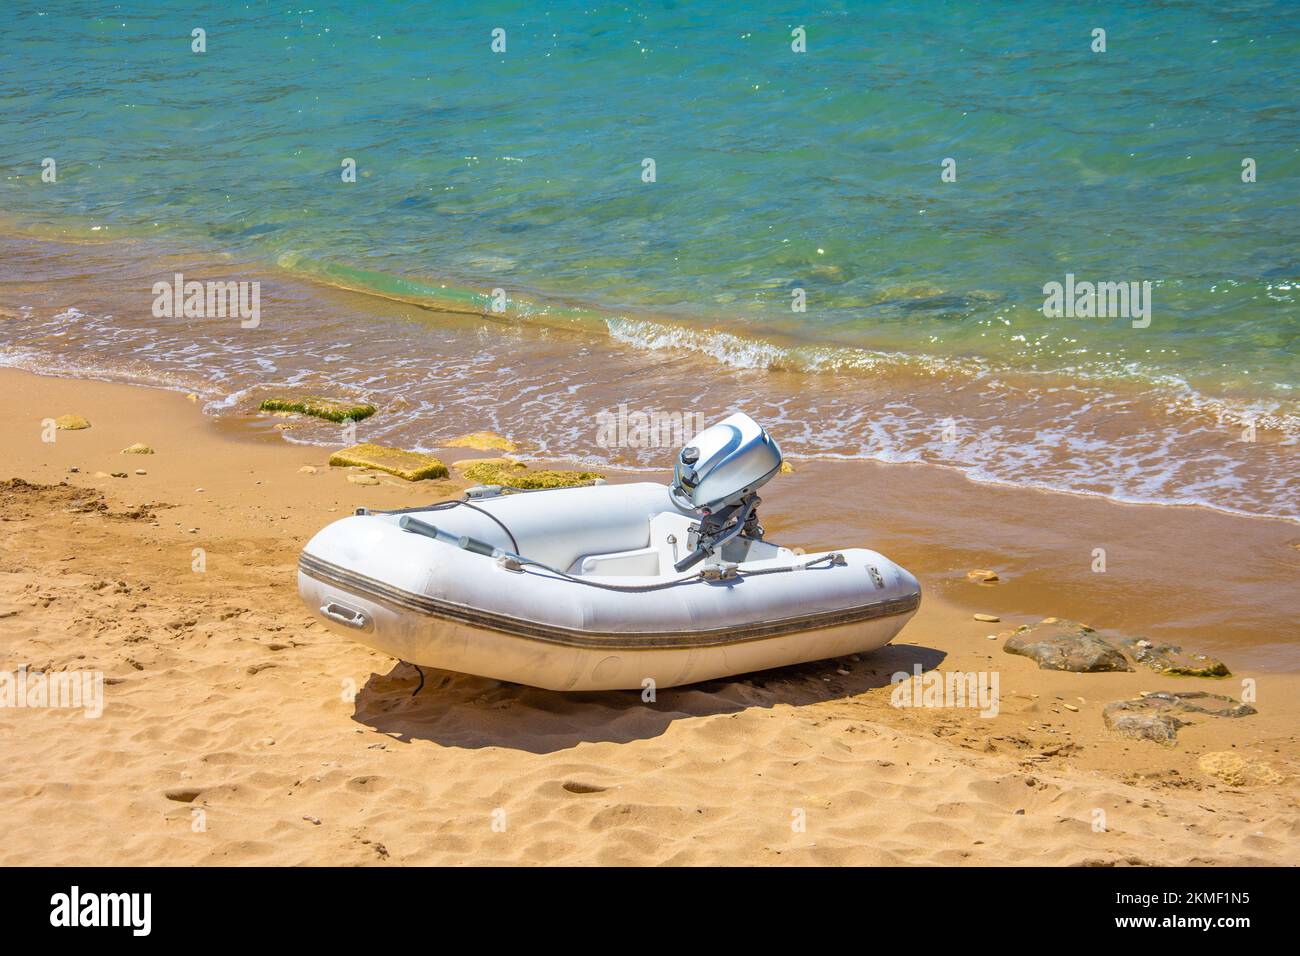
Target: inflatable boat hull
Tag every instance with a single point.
(435, 605)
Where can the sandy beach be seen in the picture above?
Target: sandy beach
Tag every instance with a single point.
(237, 730)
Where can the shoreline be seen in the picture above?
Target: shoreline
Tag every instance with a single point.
(1154, 442)
(223, 695)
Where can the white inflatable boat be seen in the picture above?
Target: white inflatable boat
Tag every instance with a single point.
(607, 586)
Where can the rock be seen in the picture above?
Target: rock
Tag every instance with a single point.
(71, 423)
(139, 448)
(517, 475)
(988, 618)
(117, 474)
(193, 396)
(407, 465)
(1237, 771)
(1134, 719)
(330, 409)
(1071, 707)
(1199, 702)
(307, 470)
(1170, 659)
(482, 441)
(314, 821)
(183, 794)
(363, 479)
(1060, 645)
(982, 576)
(141, 471)
(786, 468)
(1154, 716)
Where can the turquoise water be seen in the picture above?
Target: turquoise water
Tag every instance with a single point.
(775, 171)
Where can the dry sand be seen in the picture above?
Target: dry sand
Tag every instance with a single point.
(231, 734)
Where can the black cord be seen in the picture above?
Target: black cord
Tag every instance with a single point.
(693, 579)
(514, 545)
(630, 588)
(444, 505)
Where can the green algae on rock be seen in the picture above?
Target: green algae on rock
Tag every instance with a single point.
(330, 409)
(408, 465)
(482, 441)
(1170, 659)
(517, 475)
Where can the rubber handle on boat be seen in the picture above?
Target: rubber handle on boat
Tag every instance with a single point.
(692, 559)
(416, 526)
(477, 546)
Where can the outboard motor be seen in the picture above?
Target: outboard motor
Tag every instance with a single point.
(717, 476)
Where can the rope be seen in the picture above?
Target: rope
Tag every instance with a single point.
(834, 557)
(693, 579)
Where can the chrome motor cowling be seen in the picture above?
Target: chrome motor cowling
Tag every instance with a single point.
(725, 463)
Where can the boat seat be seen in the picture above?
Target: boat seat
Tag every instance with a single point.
(668, 534)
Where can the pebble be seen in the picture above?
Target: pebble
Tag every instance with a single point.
(198, 491)
(141, 471)
(117, 474)
(982, 576)
(988, 618)
(991, 637)
(1071, 707)
(363, 479)
(315, 821)
(307, 470)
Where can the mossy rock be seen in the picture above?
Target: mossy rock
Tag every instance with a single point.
(409, 465)
(139, 448)
(483, 441)
(330, 409)
(517, 475)
(71, 423)
(1171, 659)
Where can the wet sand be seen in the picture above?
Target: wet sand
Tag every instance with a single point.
(86, 310)
(231, 733)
